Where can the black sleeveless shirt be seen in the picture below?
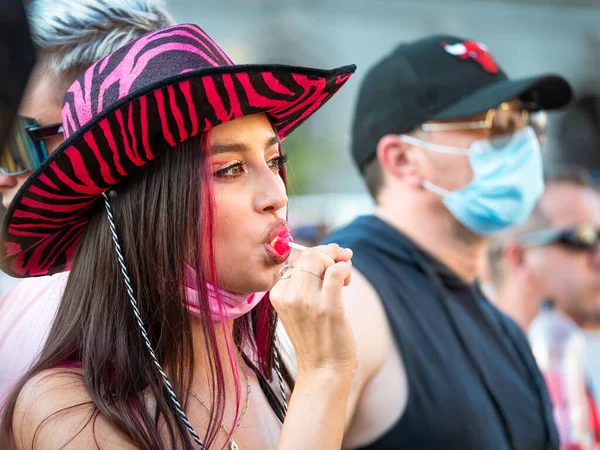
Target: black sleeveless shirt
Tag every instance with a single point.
(472, 380)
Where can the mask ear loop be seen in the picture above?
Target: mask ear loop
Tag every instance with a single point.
(434, 147)
(435, 188)
(136, 311)
(439, 149)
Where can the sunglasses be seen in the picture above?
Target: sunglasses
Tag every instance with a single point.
(25, 149)
(582, 237)
(499, 122)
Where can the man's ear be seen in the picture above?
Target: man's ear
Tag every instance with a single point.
(513, 255)
(397, 159)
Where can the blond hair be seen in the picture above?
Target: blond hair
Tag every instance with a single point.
(70, 35)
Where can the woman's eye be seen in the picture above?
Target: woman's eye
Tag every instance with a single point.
(277, 163)
(234, 171)
(274, 165)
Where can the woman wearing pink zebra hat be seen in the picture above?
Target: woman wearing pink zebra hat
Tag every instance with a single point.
(167, 203)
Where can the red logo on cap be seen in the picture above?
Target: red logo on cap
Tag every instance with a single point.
(475, 51)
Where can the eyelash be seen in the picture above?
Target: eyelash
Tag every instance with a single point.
(279, 161)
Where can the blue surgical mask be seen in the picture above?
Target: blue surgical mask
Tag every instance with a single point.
(507, 181)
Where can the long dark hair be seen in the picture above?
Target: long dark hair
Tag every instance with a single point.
(164, 204)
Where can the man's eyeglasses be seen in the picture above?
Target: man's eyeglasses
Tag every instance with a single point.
(582, 237)
(25, 148)
(499, 122)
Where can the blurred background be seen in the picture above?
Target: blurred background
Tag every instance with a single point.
(524, 36)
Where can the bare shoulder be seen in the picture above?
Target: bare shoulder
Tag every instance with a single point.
(376, 359)
(55, 410)
(369, 323)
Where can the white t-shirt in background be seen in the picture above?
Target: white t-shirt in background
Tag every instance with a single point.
(593, 362)
(27, 310)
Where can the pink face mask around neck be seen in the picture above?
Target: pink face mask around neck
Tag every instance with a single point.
(234, 305)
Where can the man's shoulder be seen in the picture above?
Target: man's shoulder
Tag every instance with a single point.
(508, 324)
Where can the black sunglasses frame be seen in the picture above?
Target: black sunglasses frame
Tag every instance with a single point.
(578, 238)
(37, 133)
(41, 132)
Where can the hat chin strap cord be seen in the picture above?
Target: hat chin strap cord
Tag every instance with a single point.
(136, 312)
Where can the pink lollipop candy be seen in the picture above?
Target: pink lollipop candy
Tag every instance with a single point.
(282, 243)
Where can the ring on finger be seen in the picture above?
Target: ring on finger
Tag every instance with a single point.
(285, 272)
(311, 272)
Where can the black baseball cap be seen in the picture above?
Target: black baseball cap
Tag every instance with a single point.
(436, 78)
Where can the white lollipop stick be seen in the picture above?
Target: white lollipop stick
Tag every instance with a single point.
(297, 246)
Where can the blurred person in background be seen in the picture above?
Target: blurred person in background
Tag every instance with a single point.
(448, 147)
(578, 142)
(69, 36)
(554, 255)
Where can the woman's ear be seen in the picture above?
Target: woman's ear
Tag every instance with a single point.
(398, 159)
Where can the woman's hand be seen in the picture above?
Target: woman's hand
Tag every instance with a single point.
(310, 305)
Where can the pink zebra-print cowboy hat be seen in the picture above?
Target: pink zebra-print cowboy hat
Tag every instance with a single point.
(153, 93)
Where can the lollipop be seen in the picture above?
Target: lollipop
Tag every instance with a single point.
(284, 242)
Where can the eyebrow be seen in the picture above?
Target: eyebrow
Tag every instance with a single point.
(240, 147)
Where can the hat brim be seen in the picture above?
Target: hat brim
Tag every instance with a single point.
(44, 222)
(546, 92)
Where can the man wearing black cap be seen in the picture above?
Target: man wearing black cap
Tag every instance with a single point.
(449, 149)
